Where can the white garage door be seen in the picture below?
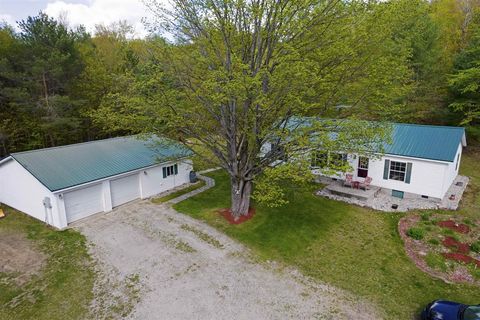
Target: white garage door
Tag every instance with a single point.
(124, 190)
(83, 202)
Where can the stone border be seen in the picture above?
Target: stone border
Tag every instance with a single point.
(416, 250)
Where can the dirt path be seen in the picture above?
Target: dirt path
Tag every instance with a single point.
(159, 264)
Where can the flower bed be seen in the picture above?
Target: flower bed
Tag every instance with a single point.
(452, 225)
(227, 214)
(442, 245)
(457, 246)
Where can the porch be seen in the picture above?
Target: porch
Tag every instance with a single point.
(337, 188)
(381, 199)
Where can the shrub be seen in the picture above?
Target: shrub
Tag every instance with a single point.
(435, 242)
(416, 233)
(475, 246)
(425, 216)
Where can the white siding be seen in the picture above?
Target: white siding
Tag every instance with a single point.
(152, 181)
(452, 169)
(427, 177)
(22, 191)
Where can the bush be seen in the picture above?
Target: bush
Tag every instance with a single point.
(425, 216)
(435, 242)
(475, 247)
(416, 233)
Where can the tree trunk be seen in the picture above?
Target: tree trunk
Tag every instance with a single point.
(241, 192)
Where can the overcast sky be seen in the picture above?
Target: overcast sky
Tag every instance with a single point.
(86, 12)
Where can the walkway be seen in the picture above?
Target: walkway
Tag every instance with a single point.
(209, 183)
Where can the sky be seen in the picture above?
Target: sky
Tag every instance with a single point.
(86, 12)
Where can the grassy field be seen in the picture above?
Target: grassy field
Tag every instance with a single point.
(350, 247)
(62, 289)
(179, 193)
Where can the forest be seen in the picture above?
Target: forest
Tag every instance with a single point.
(413, 61)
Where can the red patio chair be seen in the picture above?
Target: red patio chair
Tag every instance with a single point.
(348, 180)
(366, 183)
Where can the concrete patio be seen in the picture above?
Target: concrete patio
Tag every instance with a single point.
(381, 199)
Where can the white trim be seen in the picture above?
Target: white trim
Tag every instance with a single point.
(6, 160)
(116, 176)
(414, 158)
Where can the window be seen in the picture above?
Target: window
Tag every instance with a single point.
(397, 170)
(319, 159)
(170, 170)
(337, 159)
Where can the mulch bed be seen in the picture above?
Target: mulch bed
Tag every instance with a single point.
(461, 258)
(418, 249)
(458, 246)
(458, 227)
(227, 214)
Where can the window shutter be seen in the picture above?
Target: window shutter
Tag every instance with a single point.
(164, 169)
(408, 174)
(175, 168)
(386, 168)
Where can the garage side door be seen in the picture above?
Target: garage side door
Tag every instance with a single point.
(83, 202)
(124, 190)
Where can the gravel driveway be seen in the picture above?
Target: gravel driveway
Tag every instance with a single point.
(155, 263)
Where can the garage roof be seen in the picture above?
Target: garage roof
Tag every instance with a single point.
(67, 166)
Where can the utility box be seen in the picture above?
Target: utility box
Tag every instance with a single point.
(193, 177)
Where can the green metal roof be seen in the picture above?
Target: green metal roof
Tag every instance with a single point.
(411, 140)
(67, 166)
(424, 141)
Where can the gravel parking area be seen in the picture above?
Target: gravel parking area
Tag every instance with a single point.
(155, 263)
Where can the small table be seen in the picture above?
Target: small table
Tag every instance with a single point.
(356, 184)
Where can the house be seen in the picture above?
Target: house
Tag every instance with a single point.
(63, 184)
(422, 161)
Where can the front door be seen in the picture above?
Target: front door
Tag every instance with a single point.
(362, 171)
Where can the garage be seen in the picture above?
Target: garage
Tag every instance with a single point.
(125, 189)
(83, 202)
(64, 184)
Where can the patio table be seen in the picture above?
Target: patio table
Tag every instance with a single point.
(356, 184)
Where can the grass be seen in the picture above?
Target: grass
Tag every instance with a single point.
(63, 290)
(350, 247)
(179, 193)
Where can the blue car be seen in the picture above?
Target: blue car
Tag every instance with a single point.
(448, 310)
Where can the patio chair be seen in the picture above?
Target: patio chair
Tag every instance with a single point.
(348, 180)
(365, 185)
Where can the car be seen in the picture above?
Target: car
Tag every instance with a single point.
(449, 310)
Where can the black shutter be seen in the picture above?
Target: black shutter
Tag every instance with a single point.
(408, 174)
(164, 169)
(386, 169)
(175, 168)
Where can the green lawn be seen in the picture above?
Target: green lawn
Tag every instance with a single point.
(179, 193)
(63, 289)
(347, 246)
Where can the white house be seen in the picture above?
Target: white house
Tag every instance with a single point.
(421, 161)
(63, 184)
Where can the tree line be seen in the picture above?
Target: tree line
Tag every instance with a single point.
(55, 81)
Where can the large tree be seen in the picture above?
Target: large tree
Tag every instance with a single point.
(241, 74)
